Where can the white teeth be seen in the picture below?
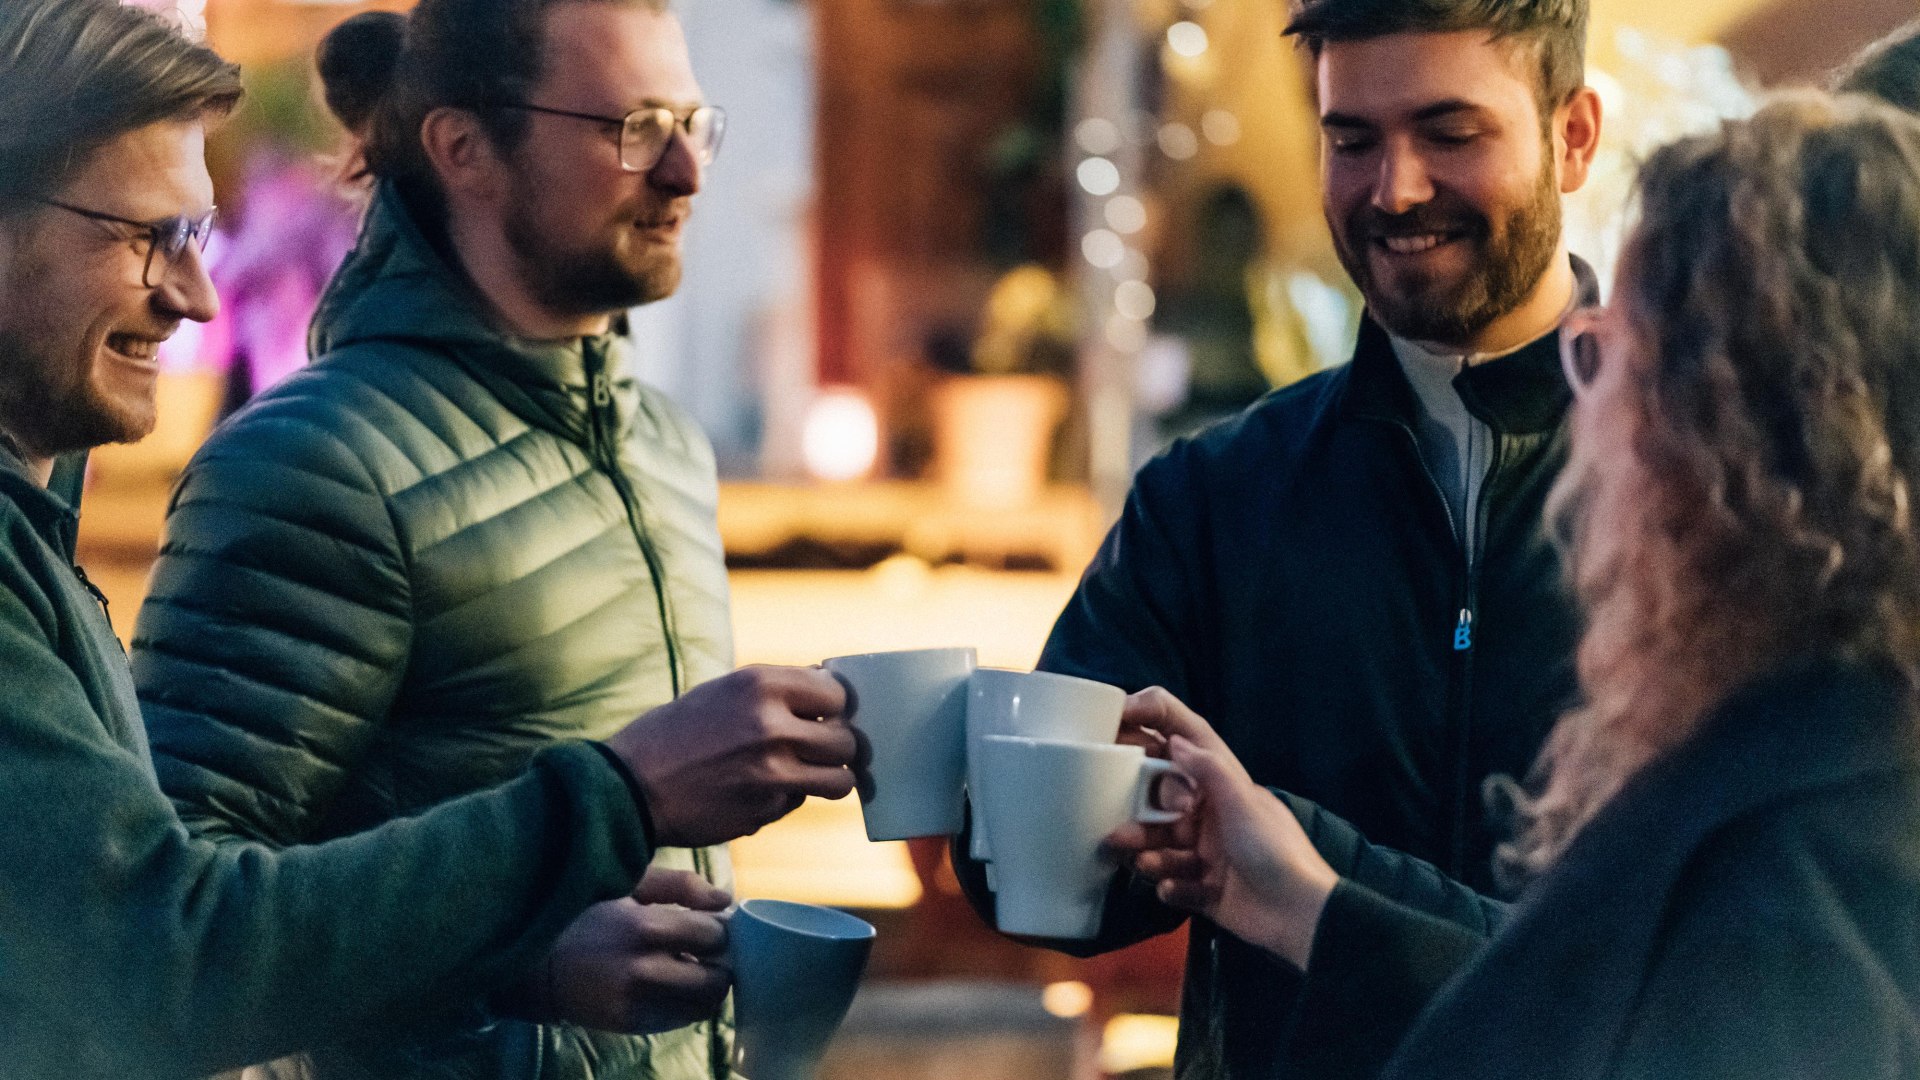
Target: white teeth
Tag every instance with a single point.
(1411, 245)
(134, 348)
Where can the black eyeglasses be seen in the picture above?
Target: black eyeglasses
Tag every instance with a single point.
(646, 132)
(167, 239)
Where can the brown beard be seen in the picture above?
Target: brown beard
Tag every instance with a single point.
(1510, 258)
(589, 282)
(49, 403)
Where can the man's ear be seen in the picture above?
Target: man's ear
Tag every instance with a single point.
(462, 155)
(1576, 138)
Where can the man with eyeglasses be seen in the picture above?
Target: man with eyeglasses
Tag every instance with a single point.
(137, 944)
(467, 530)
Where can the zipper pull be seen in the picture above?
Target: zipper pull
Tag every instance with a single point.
(1463, 631)
(93, 590)
(602, 390)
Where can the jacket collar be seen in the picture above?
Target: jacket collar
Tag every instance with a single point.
(56, 519)
(1523, 393)
(396, 286)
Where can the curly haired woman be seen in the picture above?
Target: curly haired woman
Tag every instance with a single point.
(1722, 844)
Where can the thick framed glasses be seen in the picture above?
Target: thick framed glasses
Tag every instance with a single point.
(645, 133)
(167, 239)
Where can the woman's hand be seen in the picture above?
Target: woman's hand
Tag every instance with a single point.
(1240, 857)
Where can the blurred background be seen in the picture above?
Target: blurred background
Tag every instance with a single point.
(962, 266)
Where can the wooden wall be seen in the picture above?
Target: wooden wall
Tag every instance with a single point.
(911, 95)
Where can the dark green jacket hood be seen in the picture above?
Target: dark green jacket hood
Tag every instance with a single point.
(398, 287)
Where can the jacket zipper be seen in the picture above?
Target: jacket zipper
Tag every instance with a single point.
(1463, 653)
(1461, 640)
(606, 456)
(603, 422)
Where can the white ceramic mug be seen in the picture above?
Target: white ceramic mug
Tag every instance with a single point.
(1034, 704)
(910, 711)
(1049, 806)
(795, 970)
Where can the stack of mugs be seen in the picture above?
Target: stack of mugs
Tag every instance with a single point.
(1037, 756)
(1034, 752)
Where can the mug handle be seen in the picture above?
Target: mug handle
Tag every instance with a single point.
(1144, 812)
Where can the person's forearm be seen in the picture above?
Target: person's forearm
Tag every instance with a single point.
(171, 955)
(1395, 875)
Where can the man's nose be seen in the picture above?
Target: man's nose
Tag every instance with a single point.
(679, 171)
(1403, 182)
(185, 291)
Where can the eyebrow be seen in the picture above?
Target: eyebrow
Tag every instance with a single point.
(1435, 111)
(685, 105)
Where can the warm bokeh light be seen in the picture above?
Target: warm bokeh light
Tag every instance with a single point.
(1134, 1041)
(1134, 299)
(1221, 127)
(1103, 248)
(1126, 215)
(1099, 176)
(1178, 141)
(1067, 999)
(842, 436)
(1097, 135)
(1188, 39)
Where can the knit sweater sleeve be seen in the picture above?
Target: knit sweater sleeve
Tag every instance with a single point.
(132, 948)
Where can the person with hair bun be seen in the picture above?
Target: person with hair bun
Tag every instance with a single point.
(356, 61)
(468, 531)
(1722, 841)
(144, 941)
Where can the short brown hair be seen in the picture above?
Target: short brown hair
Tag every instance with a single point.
(77, 74)
(1556, 30)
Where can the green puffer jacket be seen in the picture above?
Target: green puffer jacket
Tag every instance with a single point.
(401, 573)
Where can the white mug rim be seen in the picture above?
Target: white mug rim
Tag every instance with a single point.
(761, 910)
(937, 651)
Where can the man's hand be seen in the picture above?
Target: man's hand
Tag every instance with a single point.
(734, 754)
(1240, 858)
(652, 962)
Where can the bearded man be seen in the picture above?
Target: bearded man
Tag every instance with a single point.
(1350, 580)
(466, 531)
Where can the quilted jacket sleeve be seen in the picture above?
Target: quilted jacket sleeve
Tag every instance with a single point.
(276, 628)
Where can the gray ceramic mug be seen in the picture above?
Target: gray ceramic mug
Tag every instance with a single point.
(795, 970)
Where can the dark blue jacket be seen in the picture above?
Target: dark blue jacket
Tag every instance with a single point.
(1295, 576)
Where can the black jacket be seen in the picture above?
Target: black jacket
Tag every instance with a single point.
(1295, 576)
(1744, 909)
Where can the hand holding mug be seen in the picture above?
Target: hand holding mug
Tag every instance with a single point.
(1246, 863)
(651, 962)
(740, 752)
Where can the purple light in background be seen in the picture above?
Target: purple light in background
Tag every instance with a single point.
(271, 267)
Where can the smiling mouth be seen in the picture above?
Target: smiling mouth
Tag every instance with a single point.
(1417, 244)
(143, 350)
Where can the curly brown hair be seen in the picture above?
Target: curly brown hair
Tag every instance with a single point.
(1739, 489)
